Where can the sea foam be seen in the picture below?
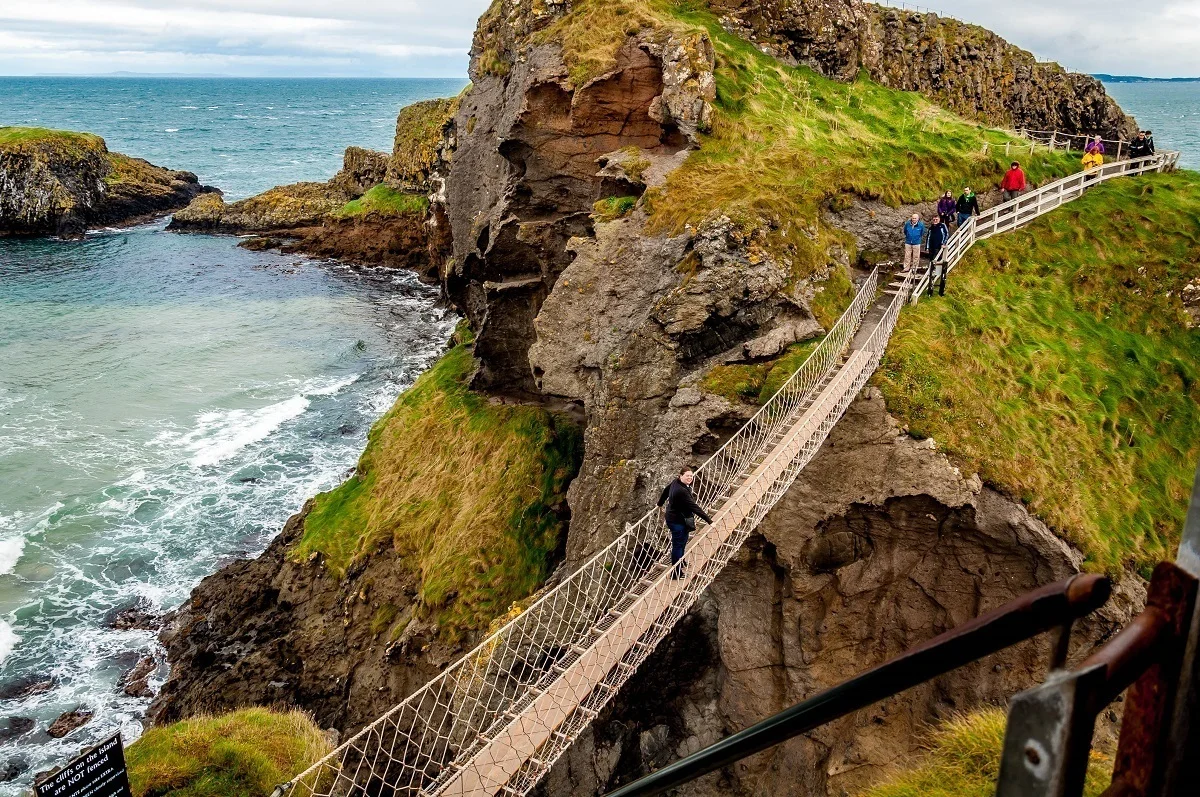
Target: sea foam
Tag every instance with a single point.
(8, 640)
(10, 553)
(221, 434)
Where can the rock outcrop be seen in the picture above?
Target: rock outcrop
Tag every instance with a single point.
(965, 68)
(879, 545)
(59, 183)
(321, 219)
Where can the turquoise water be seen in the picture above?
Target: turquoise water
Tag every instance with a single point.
(1171, 110)
(167, 400)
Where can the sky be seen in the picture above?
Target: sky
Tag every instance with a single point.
(431, 38)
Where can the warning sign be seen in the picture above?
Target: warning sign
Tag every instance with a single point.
(97, 772)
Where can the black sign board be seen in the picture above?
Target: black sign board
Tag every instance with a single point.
(96, 772)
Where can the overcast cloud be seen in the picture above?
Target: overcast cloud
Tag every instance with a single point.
(414, 38)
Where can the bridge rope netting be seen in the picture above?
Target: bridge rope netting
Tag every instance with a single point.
(496, 720)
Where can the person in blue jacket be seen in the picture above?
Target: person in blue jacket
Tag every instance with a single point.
(914, 234)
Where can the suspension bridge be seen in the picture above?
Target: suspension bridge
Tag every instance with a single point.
(494, 722)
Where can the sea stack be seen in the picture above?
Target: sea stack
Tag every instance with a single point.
(57, 182)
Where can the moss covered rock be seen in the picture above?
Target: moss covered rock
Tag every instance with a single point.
(422, 137)
(56, 182)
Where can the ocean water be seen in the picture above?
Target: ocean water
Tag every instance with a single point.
(241, 135)
(1171, 110)
(168, 400)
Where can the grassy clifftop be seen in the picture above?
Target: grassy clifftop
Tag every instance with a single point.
(245, 753)
(1061, 366)
(467, 492)
(784, 140)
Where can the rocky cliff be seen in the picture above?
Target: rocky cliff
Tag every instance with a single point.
(632, 201)
(60, 183)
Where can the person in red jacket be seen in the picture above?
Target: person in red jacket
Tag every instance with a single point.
(1014, 182)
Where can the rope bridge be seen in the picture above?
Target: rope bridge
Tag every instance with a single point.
(495, 721)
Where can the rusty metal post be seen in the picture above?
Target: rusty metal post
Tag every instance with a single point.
(1183, 748)
(1143, 750)
(1049, 736)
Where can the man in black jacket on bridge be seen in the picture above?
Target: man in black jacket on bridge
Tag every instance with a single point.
(680, 514)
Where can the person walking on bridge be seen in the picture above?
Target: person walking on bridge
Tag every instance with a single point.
(680, 510)
(967, 206)
(1014, 182)
(914, 234)
(946, 207)
(1093, 153)
(1141, 146)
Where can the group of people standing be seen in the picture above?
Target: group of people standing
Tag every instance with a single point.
(950, 211)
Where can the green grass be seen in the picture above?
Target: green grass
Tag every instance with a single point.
(245, 753)
(785, 140)
(757, 382)
(963, 760)
(26, 135)
(384, 201)
(1060, 367)
(613, 207)
(466, 492)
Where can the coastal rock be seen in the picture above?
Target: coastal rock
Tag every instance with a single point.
(425, 137)
(362, 170)
(16, 726)
(285, 207)
(61, 183)
(13, 768)
(139, 616)
(27, 686)
(69, 721)
(136, 682)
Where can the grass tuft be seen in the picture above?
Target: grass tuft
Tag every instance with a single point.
(245, 753)
(466, 492)
(613, 207)
(963, 760)
(1060, 366)
(383, 201)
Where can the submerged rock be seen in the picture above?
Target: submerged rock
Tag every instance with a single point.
(16, 726)
(136, 616)
(69, 721)
(21, 688)
(55, 182)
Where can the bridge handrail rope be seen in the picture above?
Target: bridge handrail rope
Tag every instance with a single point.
(497, 719)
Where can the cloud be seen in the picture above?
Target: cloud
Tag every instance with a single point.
(432, 37)
(252, 37)
(1155, 38)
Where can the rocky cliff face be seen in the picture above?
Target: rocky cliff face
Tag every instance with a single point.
(964, 67)
(59, 183)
